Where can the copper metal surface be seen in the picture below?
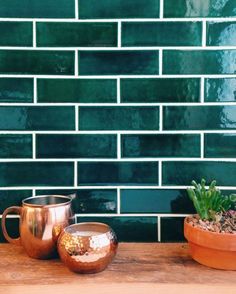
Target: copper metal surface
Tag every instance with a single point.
(87, 247)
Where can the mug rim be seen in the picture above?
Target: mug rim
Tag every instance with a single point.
(25, 203)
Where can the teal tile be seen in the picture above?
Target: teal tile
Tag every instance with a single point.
(36, 62)
(161, 34)
(15, 33)
(88, 200)
(129, 229)
(172, 229)
(155, 201)
(118, 118)
(77, 90)
(118, 173)
(75, 146)
(163, 145)
(160, 90)
(13, 198)
(118, 9)
(199, 117)
(199, 8)
(31, 118)
(37, 9)
(12, 225)
(72, 34)
(125, 62)
(17, 90)
(220, 145)
(183, 172)
(15, 146)
(220, 90)
(221, 33)
(208, 62)
(36, 174)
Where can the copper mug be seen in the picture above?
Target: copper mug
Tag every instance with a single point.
(42, 219)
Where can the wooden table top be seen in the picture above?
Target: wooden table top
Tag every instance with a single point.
(138, 267)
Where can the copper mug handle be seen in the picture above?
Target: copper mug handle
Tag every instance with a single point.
(15, 209)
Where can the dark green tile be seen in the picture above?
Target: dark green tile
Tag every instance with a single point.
(199, 117)
(15, 33)
(36, 174)
(118, 9)
(118, 173)
(12, 225)
(15, 146)
(76, 146)
(199, 8)
(161, 34)
(160, 90)
(77, 90)
(163, 145)
(155, 201)
(118, 118)
(220, 145)
(37, 9)
(17, 90)
(36, 62)
(208, 62)
(172, 229)
(125, 62)
(221, 33)
(13, 197)
(182, 173)
(129, 229)
(220, 90)
(37, 118)
(72, 34)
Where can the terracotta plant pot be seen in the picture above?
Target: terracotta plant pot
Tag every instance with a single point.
(212, 249)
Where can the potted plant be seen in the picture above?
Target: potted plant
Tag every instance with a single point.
(211, 232)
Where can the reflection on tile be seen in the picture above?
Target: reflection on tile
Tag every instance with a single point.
(220, 90)
(15, 146)
(13, 198)
(220, 145)
(221, 33)
(172, 229)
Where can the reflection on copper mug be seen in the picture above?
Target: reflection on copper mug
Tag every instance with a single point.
(41, 220)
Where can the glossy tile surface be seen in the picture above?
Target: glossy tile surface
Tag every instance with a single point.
(76, 146)
(36, 62)
(15, 33)
(12, 227)
(221, 33)
(161, 34)
(13, 198)
(199, 117)
(59, 34)
(220, 145)
(220, 90)
(37, 118)
(118, 62)
(172, 229)
(15, 146)
(208, 62)
(77, 90)
(118, 118)
(160, 90)
(118, 173)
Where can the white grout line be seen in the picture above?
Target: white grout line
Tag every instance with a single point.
(202, 85)
(202, 145)
(34, 34)
(76, 118)
(76, 64)
(76, 9)
(75, 173)
(119, 34)
(204, 34)
(118, 146)
(162, 10)
(118, 201)
(160, 61)
(118, 90)
(160, 173)
(33, 192)
(35, 98)
(161, 118)
(34, 146)
(158, 229)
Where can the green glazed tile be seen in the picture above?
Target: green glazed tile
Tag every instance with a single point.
(37, 118)
(155, 201)
(221, 33)
(37, 9)
(199, 8)
(160, 90)
(118, 118)
(15, 33)
(17, 90)
(125, 62)
(199, 117)
(77, 90)
(182, 173)
(15, 146)
(13, 198)
(88, 200)
(129, 229)
(12, 225)
(220, 145)
(118, 9)
(36, 174)
(76, 146)
(161, 34)
(117, 173)
(36, 62)
(220, 90)
(71, 34)
(172, 229)
(208, 62)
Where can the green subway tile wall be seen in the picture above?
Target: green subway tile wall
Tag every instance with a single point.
(120, 102)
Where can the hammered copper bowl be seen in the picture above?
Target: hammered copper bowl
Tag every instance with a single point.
(87, 247)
